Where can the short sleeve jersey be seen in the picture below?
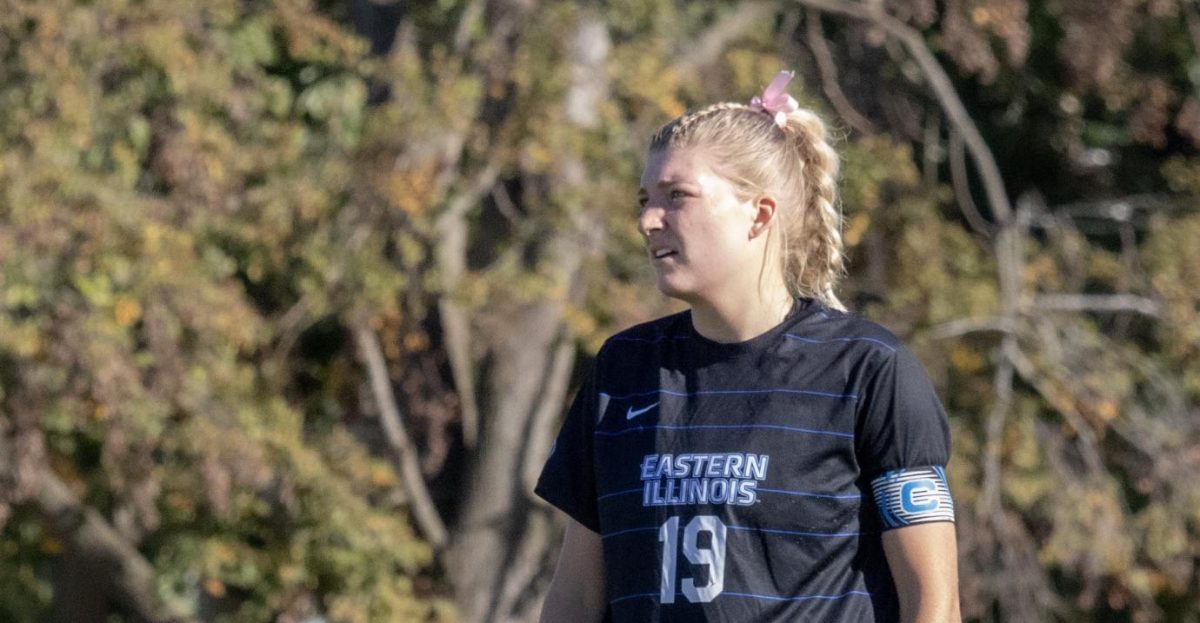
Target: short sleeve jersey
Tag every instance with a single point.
(752, 481)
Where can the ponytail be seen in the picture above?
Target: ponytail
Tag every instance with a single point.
(812, 247)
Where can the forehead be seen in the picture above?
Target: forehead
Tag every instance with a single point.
(674, 164)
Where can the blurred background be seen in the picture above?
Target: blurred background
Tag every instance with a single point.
(293, 293)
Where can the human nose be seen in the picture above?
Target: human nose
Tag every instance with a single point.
(650, 219)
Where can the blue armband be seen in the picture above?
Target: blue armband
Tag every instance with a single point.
(912, 496)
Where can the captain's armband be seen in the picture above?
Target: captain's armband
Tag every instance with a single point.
(912, 496)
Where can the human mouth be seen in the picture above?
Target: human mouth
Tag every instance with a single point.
(659, 254)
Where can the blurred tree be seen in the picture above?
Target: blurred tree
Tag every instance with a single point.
(1047, 321)
(176, 190)
(271, 293)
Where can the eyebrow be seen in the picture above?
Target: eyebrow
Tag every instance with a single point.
(667, 182)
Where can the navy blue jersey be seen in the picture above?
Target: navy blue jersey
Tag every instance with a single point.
(752, 481)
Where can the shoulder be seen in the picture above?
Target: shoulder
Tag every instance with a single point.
(885, 368)
(646, 335)
(851, 331)
(869, 352)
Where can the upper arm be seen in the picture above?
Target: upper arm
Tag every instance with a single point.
(903, 442)
(900, 422)
(923, 559)
(577, 591)
(568, 480)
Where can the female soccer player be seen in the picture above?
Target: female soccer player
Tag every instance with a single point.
(763, 456)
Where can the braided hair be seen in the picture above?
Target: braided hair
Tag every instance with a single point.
(796, 163)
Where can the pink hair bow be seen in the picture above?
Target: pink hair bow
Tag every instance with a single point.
(775, 100)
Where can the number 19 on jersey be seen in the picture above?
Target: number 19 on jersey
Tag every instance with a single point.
(712, 557)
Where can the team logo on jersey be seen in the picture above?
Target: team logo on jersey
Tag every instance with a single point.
(632, 413)
(710, 478)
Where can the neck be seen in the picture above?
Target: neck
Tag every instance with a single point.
(737, 319)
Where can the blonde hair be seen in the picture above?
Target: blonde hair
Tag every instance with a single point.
(796, 164)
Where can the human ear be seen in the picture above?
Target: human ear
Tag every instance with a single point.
(764, 215)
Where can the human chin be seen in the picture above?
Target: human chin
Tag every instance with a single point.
(676, 285)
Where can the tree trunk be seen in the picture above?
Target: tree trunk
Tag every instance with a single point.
(99, 573)
(496, 522)
(503, 537)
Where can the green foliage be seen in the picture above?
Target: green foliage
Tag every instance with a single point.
(172, 181)
(197, 202)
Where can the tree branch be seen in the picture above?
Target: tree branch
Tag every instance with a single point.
(405, 455)
(963, 326)
(713, 41)
(943, 89)
(1192, 19)
(989, 504)
(1128, 209)
(127, 578)
(527, 559)
(1009, 250)
(541, 428)
(1099, 303)
(1089, 446)
(815, 36)
(451, 256)
(467, 23)
(962, 188)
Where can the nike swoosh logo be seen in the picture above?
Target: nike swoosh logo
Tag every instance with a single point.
(632, 413)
